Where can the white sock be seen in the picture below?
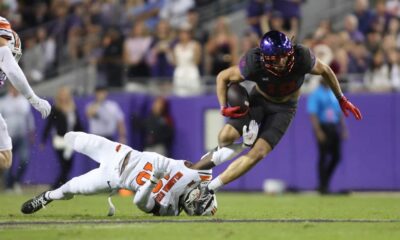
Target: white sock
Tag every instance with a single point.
(226, 153)
(59, 193)
(215, 185)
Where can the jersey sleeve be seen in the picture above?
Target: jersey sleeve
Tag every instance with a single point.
(250, 64)
(307, 59)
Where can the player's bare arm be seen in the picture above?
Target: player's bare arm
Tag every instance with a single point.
(329, 76)
(231, 74)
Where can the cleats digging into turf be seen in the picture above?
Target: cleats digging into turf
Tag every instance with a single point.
(35, 204)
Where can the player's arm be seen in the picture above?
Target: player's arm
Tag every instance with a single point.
(231, 74)
(143, 199)
(329, 76)
(14, 73)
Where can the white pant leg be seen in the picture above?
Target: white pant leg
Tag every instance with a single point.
(95, 181)
(5, 139)
(96, 147)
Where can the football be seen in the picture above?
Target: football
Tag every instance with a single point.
(237, 95)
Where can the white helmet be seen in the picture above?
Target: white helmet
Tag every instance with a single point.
(190, 199)
(15, 45)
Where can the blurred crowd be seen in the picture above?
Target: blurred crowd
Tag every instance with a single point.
(163, 39)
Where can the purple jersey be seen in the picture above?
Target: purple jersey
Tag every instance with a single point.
(252, 68)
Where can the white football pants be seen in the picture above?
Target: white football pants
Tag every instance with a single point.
(105, 178)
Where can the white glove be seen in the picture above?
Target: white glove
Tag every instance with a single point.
(160, 169)
(250, 135)
(40, 105)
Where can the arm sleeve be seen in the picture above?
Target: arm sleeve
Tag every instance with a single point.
(14, 73)
(143, 199)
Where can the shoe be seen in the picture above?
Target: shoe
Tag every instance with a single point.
(35, 204)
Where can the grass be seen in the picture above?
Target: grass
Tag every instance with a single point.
(239, 216)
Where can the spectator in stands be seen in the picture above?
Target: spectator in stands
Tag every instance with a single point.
(393, 7)
(373, 41)
(199, 34)
(358, 58)
(33, 60)
(364, 14)
(175, 11)
(377, 77)
(249, 40)
(351, 27)
(47, 46)
(329, 129)
(291, 13)
(135, 48)
(160, 57)
(64, 117)
(382, 16)
(394, 68)
(394, 31)
(187, 54)
(105, 117)
(110, 63)
(59, 28)
(254, 13)
(158, 128)
(140, 10)
(323, 30)
(17, 113)
(222, 48)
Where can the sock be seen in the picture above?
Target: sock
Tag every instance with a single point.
(224, 154)
(215, 185)
(59, 193)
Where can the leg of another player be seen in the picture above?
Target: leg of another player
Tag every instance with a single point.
(91, 182)
(224, 152)
(93, 146)
(241, 165)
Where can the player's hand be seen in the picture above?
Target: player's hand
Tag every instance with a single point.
(160, 168)
(40, 105)
(250, 133)
(346, 106)
(233, 112)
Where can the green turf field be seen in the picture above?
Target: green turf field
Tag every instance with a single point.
(239, 216)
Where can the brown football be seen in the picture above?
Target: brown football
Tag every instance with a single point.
(237, 95)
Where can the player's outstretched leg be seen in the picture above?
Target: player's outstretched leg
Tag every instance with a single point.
(35, 204)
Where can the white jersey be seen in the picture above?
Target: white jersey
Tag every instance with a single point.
(169, 189)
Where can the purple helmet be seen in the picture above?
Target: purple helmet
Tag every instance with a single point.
(277, 53)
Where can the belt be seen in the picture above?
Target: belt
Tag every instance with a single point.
(124, 163)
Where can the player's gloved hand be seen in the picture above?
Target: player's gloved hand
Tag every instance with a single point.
(232, 112)
(160, 169)
(346, 105)
(40, 105)
(250, 133)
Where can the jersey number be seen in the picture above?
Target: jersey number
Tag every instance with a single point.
(145, 175)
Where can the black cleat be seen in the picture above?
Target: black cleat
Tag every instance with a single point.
(35, 204)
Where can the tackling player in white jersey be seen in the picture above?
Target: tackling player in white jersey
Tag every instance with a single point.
(162, 186)
(10, 53)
